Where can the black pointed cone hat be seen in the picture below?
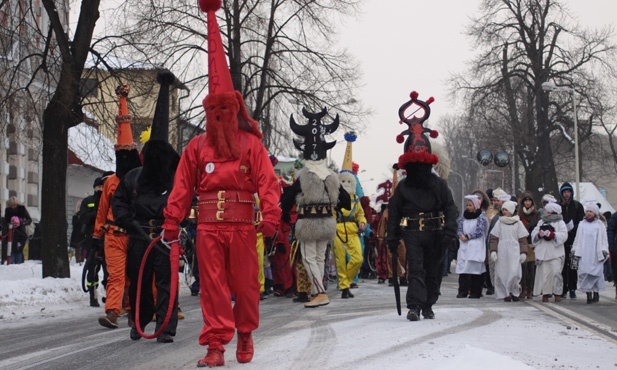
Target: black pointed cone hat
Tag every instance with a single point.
(160, 123)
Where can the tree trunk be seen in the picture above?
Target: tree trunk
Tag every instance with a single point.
(53, 209)
(541, 176)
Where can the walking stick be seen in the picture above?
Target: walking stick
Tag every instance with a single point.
(395, 284)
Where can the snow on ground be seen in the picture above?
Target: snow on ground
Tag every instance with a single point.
(504, 336)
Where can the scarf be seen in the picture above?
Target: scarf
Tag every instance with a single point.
(528, 210)
(509, 220)
(472, 215)
(551, 217)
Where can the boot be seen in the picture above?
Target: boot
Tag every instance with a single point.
(596, 297)
(110, 320)
(94, 302)
(589, 298)
(347, 294)
(413, 314)
(214, 357)
(529, 295)
(302, 297)
(557, 298)
(403, 281)
(134, 334)
(244, 352)
(427, 313)
(545, 298)
(165, 338)
(320, 299)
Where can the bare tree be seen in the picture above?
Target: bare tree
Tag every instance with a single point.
(522, 45)
(43, 73)
(281, 56)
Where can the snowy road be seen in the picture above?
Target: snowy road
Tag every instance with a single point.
(360, 333)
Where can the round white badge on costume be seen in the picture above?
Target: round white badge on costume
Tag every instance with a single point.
(210, 167)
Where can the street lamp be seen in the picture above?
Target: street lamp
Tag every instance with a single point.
(550, 86)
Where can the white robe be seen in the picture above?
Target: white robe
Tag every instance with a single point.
(550, 256)
(508, 272)
(471, 253)
(590, 241)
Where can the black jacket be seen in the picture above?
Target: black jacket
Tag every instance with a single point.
(19, 233)
(87, 212)
(571, 210)
(408, 201)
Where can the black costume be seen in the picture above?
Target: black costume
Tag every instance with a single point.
(425, 207)
(137, 206)
(422, 213)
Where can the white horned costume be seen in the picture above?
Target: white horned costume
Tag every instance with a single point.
(316, 193)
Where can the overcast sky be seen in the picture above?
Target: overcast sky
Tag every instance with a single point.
(416, 45)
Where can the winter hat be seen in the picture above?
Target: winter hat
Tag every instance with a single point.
(592, 206)
(475, 200)
(501, 195)
(15, 221)
(549, 198)
(553, 208)
(417, 148)
(510, 206)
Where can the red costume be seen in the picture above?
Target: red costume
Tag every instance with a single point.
(225, 167)
(227, 255)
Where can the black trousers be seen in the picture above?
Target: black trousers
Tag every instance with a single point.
(156, 268)
(570, 277)
(425, 253)
(470, 284)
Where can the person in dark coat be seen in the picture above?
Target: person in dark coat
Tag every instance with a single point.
(77, 238)
(573, 213)
(421, 212)
(137, 206)
(95, 254)
(17, 215)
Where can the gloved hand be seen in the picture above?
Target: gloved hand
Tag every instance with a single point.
(171, 231)
(522, 258)
(98, 243)
(540, 233)
(605, 254)
(493, 256)
(549, 235)
(268, 229)
(538, 262)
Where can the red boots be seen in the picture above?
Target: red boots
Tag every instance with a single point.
(214, 357)
(244, 353)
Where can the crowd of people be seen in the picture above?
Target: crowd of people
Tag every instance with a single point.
(250, 234)
(524, 251)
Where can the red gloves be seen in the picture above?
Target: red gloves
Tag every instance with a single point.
(171, 231)
(268, 229)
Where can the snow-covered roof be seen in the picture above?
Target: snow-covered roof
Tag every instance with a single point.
(116, 62)
(92, 148)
